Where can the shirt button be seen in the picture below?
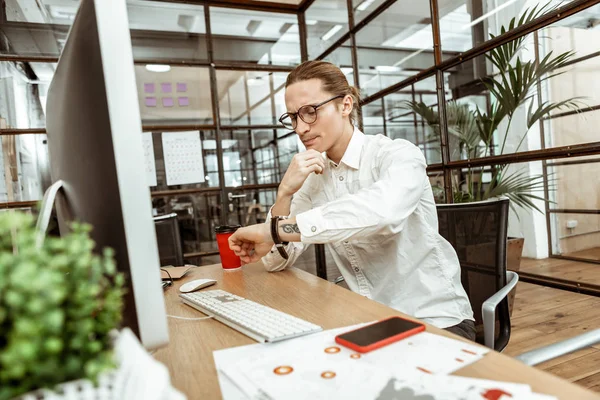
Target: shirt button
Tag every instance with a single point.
(356, 269)
(341, 178)
(313, 229)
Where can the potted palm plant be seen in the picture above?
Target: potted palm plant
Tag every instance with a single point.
(475, 133)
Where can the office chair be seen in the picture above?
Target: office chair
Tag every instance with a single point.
(478, 233)
(324, 270)
(170, 250)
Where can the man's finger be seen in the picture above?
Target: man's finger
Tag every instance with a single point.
(254, 258)
(317, 169)
(315, 162)
(312, 156)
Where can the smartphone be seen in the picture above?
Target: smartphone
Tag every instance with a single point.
(379, 334)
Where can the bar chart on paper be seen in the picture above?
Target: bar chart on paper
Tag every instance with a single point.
(183, 157)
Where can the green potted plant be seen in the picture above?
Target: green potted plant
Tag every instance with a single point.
(58, 303)
(475, 133)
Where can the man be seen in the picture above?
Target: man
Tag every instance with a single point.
(368, 199)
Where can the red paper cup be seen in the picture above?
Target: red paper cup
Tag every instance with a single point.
(229, 260)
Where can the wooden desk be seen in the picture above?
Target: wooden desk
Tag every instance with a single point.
(189, 354)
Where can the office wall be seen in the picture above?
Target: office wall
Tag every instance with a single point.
(577, 186)
(254, 50)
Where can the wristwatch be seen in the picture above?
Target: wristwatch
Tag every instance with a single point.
(275, 236)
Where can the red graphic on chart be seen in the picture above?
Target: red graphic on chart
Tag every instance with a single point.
(332, 350)
(354, 355)
(328, 375)
(494, 394)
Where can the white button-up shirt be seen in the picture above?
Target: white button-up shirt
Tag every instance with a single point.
(376, 213)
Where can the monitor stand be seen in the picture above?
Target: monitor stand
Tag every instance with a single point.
(46, 211)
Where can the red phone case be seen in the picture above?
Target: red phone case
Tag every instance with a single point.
(381, 343)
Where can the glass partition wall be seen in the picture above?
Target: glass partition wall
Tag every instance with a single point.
(435, 72)
(209, 76)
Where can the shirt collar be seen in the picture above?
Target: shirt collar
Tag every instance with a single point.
(352, 155)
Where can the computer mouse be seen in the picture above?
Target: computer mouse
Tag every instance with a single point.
(196, 285)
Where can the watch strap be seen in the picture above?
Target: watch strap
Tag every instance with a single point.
(275, 236)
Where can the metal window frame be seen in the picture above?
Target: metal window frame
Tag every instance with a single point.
(437, 70)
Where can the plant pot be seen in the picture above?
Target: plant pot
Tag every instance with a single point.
(514, 251)
(134, 367)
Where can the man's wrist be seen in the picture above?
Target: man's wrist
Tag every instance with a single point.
(282, 205)
(266, 231)
(283, 193)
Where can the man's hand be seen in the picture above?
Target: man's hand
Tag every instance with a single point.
(251, 243)
(302, 165)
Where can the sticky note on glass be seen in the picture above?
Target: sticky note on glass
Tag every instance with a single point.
(148, 87)
(166, 87)
(183, 101)
(150, 101)
(182, 87)
(167, 102)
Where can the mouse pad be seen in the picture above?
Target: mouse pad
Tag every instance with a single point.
(176, 272)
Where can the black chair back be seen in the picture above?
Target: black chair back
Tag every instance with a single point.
(169, 240)
(478, 233)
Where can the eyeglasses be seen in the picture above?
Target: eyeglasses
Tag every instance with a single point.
(307, 113)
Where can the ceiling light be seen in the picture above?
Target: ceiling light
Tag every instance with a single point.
(331, 32)
(364, 5)
(346, 70)
(187, 22)
(158, 67)
(285, 27)
(310, 22)
(62, 12)
(387, 68)
(489, 14)
(255, 81)
(252, 26)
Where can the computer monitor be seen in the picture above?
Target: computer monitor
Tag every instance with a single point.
(95, 146)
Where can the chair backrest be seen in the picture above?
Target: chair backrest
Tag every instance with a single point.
(478, 233)
(169, 240)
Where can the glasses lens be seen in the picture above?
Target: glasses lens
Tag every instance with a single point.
(287, 121)
(308, 114)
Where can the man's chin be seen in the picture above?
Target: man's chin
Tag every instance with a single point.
(314, 146)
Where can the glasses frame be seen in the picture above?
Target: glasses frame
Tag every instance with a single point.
(294, 116)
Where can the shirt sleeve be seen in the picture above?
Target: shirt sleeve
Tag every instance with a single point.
(274, 261)
(380, 209)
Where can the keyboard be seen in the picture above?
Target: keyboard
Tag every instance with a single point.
(261, 323)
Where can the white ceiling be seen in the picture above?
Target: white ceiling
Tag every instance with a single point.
(405, 25)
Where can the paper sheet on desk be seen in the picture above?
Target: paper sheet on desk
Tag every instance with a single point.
(420, 354)
(235, 387)
(373, 383)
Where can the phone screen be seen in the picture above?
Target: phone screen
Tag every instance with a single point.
(379, 331)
